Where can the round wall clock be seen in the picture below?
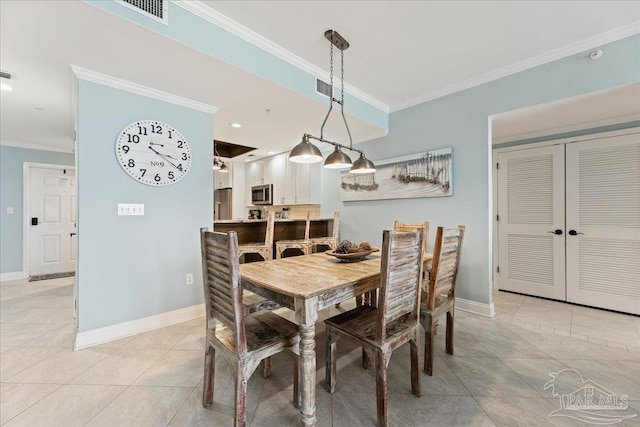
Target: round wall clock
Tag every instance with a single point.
(153, 153)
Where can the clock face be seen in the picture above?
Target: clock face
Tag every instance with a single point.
(153, 153)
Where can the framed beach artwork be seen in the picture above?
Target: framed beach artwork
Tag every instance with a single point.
(426, 174)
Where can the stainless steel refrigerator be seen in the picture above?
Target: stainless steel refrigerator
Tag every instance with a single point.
(222, 204)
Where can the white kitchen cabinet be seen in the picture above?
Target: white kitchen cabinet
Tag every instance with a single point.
(256, 173)
(276, 175)
(223, 179)
(293, 183)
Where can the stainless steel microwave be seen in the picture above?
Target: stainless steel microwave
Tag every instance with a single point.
(262, 194)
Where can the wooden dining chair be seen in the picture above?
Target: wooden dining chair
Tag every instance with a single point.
(393, 323)
(303, 244)
(440, 295)
(243, 341)
(264, 250)
(332, 240)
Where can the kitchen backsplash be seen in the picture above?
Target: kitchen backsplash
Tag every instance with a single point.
(294, 211)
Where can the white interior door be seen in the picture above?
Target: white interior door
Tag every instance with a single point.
(531, 221)
(603, 207)
(52, 200)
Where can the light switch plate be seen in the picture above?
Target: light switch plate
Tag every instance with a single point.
(130, 209)
(9, 211)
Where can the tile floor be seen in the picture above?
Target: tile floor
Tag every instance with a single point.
(496, 376)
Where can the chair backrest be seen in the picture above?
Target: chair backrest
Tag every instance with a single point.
(268, 236)
(405, 227)
(446, 259)
(307, 227)
(221, 282)
(400, 274)
(336, 225)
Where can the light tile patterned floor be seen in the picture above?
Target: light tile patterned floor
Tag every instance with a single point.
(496, 376)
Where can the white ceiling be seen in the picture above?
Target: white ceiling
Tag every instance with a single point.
(401, 53)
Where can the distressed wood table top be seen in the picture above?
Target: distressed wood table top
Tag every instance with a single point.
(310, 275)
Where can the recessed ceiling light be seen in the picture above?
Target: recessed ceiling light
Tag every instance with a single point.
(235, 125)
(271, 152)
(247, 159)
(5, 87)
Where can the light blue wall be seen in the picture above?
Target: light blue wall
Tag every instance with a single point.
(131, 267)
(199, 34)
(11, 191)
(461, 121)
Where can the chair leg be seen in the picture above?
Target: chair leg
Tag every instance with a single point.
(266, 367)
(366, 361)
(209, 376)
(382, 396)
(429, 339)
(330, 368)
(415, 370)
(359, 300)
(449, 342)
(241, 396)
(297, 395)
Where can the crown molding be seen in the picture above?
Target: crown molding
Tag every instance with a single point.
(205, 12)
(35, 146)
(114, 82)
(572, 49)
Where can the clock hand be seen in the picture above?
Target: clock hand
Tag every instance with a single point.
(155, 143)
(164, 157)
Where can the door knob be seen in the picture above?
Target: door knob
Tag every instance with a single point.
(34, 221)
(574, 233)
(557, 232)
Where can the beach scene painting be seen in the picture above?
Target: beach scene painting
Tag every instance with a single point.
(427, 174)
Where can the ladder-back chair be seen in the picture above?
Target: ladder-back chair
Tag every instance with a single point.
(379, 331)
(243, 341)
(304, 245)
(440, 296)
(265, 250)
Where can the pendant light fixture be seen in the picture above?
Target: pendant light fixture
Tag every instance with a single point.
(306, 152)
(218, 164)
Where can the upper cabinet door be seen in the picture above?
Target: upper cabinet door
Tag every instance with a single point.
(276, 176)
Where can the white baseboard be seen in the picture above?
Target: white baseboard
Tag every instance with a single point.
(126, 329)
(482, 309)
(14, 275)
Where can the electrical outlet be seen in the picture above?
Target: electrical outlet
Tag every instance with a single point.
(189, 279)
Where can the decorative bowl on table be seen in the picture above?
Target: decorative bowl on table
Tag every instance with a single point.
(352, 257)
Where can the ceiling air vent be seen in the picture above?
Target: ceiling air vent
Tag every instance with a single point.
(154, 9)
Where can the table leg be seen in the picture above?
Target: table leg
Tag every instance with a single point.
(306, 315)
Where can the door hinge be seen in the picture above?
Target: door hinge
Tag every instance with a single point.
(498, 218)
(497, 165)
(498, 269)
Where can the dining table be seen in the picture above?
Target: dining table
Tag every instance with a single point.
(307, 284)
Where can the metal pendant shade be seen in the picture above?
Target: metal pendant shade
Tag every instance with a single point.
(337, 160)
(306, 152)
(363, 165)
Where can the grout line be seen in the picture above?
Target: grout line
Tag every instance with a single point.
(34, 403)
(110, 402)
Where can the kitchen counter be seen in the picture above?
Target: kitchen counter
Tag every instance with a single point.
(254, 230)
(251, 221)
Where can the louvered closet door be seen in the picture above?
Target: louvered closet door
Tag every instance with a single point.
(603, 205)
(531, 208)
